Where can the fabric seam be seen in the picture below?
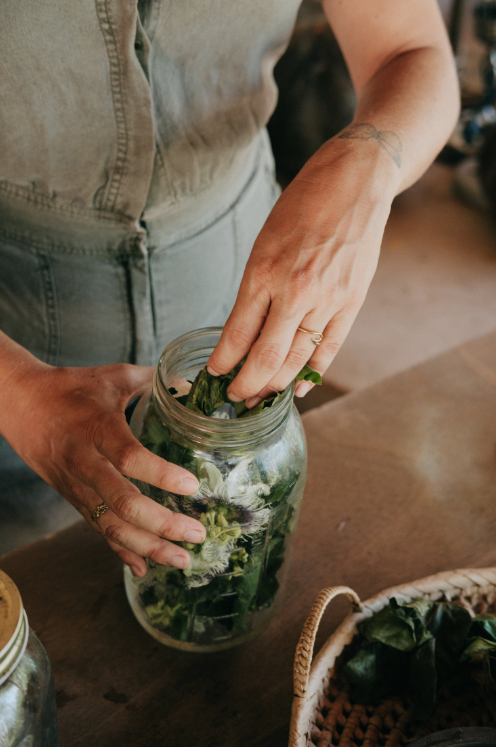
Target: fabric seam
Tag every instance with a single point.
(37, 245)
(42, 201)
(51, 307)
(103, 13)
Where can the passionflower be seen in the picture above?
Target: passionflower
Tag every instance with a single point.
(228, 506)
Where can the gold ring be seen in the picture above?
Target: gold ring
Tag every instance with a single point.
(99, 511)
(317, 337)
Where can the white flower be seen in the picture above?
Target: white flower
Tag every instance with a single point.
(233, 488)
(245, 506)
(211, 560)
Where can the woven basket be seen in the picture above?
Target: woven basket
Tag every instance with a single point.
(323, 713)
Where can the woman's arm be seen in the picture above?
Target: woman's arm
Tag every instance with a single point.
(400, 62)
(314, 259)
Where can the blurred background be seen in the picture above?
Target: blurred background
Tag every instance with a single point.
(435, 286)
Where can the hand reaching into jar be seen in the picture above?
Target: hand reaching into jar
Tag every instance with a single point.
(68, 425)
(308, 273)
(315, 257)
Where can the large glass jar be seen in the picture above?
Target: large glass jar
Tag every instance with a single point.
(252, 474)
(28, 716)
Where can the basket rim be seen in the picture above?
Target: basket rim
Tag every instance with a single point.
(447, 584)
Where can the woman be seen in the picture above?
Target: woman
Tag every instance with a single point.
(136, 183)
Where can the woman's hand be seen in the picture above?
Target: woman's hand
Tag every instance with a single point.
(68, 425)
(310, 267)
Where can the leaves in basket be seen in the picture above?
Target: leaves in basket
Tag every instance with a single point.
(400, 625)
(480, 651)
(484, 626)
(479, 648)
(411, 647)
(422, 681)
(449, 624)
(375, 671)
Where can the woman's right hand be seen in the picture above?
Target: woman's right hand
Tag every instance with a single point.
(68, 425)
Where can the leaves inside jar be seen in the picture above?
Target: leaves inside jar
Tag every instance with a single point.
(208, 394)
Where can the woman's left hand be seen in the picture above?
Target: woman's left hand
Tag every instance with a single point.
(310, 267)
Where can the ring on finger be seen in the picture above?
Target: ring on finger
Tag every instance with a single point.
(317, 337)
(99, 511)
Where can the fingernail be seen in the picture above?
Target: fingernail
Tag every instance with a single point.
(137, 571)
(234, 397)
(303, 388)
(187, 485)
(179, 561)
(212, 371)
(193, 535)
(253, 402)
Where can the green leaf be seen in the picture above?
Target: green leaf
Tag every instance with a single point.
(449, 624)
(240, 408)
(423, 680)
(362, 673)
(208, 393)
(307, 373)
(400, 625)
(246, 590)
(484, 626)
(263, 405)
(273, 562)
(478, 648)
(205, 395)
(375, 671)
(153, 430)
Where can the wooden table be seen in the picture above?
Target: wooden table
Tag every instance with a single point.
(402, 483)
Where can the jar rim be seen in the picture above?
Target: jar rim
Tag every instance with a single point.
(201, 427)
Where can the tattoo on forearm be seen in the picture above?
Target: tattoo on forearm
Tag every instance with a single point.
(389, 141)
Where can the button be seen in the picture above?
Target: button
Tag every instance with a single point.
(138, 45)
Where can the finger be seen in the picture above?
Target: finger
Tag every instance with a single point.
(303, 387)
(298, 355)
(141, 543)
(268, 353)
(136, 563)
(125, 500)
(334, 335)
(115, 441)
(241, 329)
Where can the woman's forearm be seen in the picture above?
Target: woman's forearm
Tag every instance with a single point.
(415, 97)
(402, 67)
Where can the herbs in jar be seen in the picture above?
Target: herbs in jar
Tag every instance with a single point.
(251, 466)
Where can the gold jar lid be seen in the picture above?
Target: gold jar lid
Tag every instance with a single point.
(10, 609)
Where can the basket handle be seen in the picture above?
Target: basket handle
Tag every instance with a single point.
(304, 649)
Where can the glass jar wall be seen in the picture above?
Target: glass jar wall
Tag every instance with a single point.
(252, 473)
(28, 716)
